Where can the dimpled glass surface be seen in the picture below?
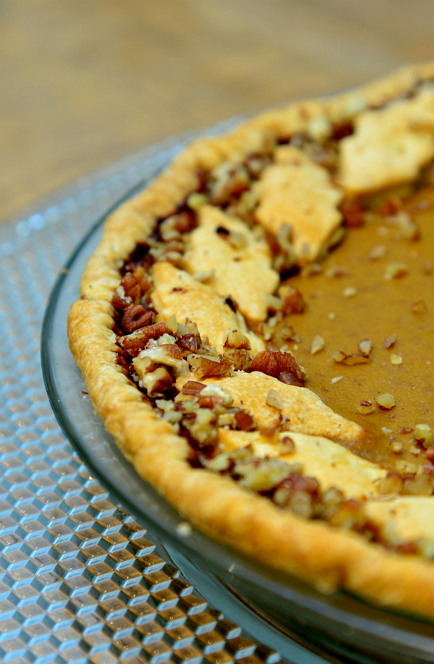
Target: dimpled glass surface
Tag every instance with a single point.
(81, 580)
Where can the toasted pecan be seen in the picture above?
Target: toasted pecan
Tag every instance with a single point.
(135, 342)
(279, 364)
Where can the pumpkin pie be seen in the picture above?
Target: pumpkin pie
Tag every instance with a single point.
(256, 330)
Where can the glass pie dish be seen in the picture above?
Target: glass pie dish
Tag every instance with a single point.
(339, 626)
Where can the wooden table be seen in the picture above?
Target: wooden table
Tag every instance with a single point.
(86, 82)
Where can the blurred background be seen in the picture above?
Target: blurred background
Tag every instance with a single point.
(87, 82)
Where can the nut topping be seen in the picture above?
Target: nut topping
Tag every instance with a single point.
(274, 399)
(209, 367)
(385, 401)
(135, 342)
(365, 347)
(395, 271)
(317, 345)
(236, 339)
(281, 365)
(423, 435)
(241, 320)
(136, 316)
(349, 360)
(365, 407)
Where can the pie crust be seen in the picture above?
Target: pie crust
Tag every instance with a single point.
(384, 137)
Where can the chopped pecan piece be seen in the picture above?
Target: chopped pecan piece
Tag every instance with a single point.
(207, 367)
(172, 350)
(423, 435)
(273, 399)
(365, 407)
(278, 424)
(298, 493)
(164, 353)
(141, 278)
(421, 485)
(236, 339)
(231, 180)
(349, 360)
(390, 341)
(290, 378)
(182, 222)
(281, 365)
(407, 228)
(284, 333)
(352, 211)
(395, 271)
(192, 387)
(385, 401)
(211, 401)
(349, 515)
(123, 359)
(239, 358)
(287, 444)
(292, 300)
(156, 382)
(190, 342)
(317, 345)
(136, 316)
(365, 347)
(135, 342)
(134, 284)
(260, 475)
(131, 287)
(244, 420)
(120, 300)
(390, 484)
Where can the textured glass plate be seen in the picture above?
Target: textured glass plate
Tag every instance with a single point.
(337, 623)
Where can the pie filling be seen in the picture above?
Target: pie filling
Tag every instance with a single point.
(284, 271)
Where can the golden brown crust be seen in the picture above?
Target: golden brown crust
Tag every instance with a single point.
(324, 555)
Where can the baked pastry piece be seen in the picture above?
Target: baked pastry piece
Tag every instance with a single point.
(256, 331)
